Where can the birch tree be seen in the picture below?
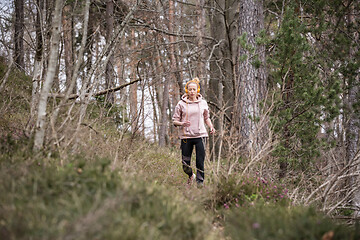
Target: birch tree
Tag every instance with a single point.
(38, 61)
(49, 78)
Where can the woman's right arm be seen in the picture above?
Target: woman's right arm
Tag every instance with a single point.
(177, 117)
(178, 123)
(184, 124)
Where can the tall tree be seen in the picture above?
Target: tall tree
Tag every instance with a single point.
(165, 100)
(19, 34)
(133, 89)
(352, 104)
(109, 75)
(302, 98)
(67, 24)
(251, 74)
(50, 74)
(200, 29)
(223, 28)
(38, 64)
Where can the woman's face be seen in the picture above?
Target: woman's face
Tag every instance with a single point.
(192, 89)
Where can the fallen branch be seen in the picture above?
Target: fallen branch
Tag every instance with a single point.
(74, 96)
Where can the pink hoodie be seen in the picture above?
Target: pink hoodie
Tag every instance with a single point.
(196, 112)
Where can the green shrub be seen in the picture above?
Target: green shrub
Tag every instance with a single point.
(85, 200)
(269, 221)
(237, 191)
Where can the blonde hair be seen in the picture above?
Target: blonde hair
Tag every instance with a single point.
(194, 80)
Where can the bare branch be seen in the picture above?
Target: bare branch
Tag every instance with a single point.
(75, 96)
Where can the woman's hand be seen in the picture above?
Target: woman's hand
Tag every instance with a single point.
(210, 125)
(186, 124)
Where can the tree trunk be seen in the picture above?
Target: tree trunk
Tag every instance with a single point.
(200, 27)
(50, 74)
(133, 91)
(164, 117)
(109, 75)
(165, 100)
(38, 61)
(19, 34)
(223, 29)
(217, 27)
(353, 118)
(67, 23)
(251, 77)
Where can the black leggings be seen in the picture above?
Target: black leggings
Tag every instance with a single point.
(187, 146)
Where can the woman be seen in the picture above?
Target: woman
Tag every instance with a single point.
(190, 114)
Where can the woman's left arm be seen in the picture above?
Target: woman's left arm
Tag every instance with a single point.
(210, 125)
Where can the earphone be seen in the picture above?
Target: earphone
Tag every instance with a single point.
(195, 80)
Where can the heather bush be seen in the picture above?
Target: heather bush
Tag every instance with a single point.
(84, 199)
(237, 191)
(274, 222)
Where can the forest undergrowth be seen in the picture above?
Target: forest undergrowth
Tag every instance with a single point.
(117, 186)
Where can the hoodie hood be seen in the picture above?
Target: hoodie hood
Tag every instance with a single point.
(187, 100)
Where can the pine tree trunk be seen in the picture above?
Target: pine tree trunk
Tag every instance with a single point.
(133, 92)
(200, 27)
(19, 34)
(165, 100)
(251, 79)
(50, 74)
(109, 75)
(217, 26)
(67, 24)
(353, 119)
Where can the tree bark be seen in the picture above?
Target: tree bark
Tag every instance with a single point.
(67, 23)
(165, 100)
(109, 75)
(223, 28)
(133, 91)
(50, 74)
(353, 117)
(19, 34)
(38, 61)
(251, 79)
(200, 27)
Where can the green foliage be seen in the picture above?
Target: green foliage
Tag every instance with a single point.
(239, 191)
(15, 101)
(303, 101)
(85, 200)
(104, 109)
(271, 221)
